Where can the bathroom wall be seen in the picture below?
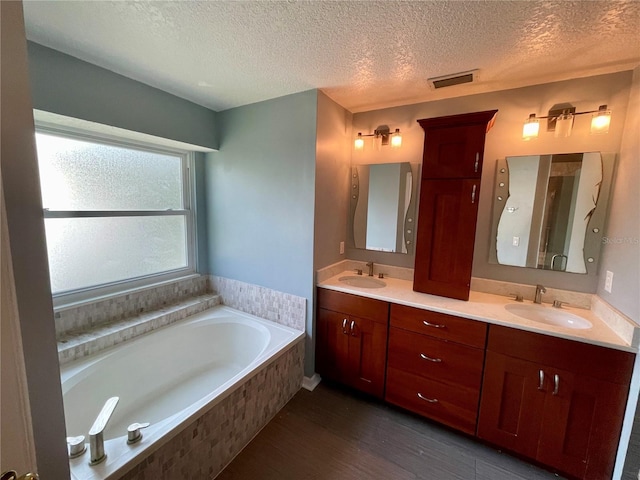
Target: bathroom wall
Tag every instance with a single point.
(621, 255)
(505, 139)
(332, 180)
(68, 86)
(28, 255)
(260, 197)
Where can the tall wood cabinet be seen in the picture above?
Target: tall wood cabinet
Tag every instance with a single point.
(352, 340)
(557, 401)
(448, 209)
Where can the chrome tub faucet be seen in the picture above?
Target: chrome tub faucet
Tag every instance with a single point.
(96, 434)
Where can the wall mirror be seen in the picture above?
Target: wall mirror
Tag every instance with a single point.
(382, 206)
(550, 211)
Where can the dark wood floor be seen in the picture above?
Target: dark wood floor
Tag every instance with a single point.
(334, 434)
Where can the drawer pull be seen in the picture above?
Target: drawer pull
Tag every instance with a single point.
(556, 384)
(430, 400)
(353, 324)
(344, 326)
(434, 325)
(424, 357)
(541, 380)
(475, 165)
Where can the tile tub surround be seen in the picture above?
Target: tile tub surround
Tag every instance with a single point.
(202, 449)
(279, 307)
(93, 313)
(81, 343)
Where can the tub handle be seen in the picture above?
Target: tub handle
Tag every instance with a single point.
(133, 432)
(76, 446)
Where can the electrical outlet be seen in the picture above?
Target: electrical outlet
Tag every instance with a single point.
(516, 241)
(608, 282)
(341, 248)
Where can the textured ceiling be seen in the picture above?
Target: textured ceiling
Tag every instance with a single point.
(365, 55)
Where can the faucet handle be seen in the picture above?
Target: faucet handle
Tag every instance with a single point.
(557, 304)
(517, 297)
(76, 446)
(133, 432)
(358, 271)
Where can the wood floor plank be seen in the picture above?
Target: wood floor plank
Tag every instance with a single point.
(337, 434)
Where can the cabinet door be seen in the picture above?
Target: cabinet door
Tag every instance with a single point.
(581, 425)
(367, 355)
(454, 152)
(445, 238)
(512, 404)
(332, 345)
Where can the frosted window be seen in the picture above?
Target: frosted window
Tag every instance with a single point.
(82, 175)
(87, 252)
(107, 216)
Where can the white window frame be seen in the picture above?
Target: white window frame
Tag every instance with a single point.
(189, 213)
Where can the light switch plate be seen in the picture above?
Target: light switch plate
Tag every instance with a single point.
(608, 282)
(341, 248)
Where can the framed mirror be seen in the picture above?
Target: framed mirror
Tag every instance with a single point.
(550, 211)
(383, 206)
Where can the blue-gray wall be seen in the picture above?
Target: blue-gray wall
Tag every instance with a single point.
(68, 86)
(260, 197)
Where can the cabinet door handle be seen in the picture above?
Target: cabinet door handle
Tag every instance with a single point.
(430, 400)
(434, 325)
(556, 384)
(353, 324)
(435, 360)
(475, 165)
(541, 380)
(473, 194)
(344, 326)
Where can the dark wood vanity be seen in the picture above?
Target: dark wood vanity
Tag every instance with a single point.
(558, 402)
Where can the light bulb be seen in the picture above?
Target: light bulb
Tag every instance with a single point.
(601, 120)
(396, 139)
(359, 142)
(531, 127)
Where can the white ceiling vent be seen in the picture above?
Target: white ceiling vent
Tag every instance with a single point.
(453, 79)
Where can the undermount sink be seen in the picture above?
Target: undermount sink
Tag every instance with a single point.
(549, 316)
(361, 281)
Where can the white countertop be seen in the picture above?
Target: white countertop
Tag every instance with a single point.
(485, 307)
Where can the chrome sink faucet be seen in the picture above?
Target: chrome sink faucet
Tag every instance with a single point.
(539, 291)
(96, 434)
(370, 265)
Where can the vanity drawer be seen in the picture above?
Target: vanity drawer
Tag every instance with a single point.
(581, 358)
(439, 325)
(355, 305)
(453, 406)
(433, 358)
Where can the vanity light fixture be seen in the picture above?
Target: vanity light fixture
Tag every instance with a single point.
(531, 127)
(381, 136)
(560, 121)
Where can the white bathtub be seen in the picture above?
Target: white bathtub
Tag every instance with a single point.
(167, 378)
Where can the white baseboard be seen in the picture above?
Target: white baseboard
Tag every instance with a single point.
(309, 383)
